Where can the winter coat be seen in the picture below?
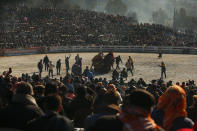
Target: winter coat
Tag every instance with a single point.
(51, 121)
(19, 112)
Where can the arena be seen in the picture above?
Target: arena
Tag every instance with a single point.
(65, 39)
(179, 67)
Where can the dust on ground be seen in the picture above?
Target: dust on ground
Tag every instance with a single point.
(179, 67)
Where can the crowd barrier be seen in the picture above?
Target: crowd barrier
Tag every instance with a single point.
(128, 49)
(71, 49)
(20, 51)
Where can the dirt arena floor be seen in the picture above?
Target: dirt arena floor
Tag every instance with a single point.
(179, 67)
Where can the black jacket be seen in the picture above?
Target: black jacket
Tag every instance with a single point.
(19, 112)
(51, 121)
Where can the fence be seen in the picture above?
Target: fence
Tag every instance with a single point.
(128, 49)
(134, 49)
(20, 51)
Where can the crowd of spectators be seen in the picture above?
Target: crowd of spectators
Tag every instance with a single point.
(35, 27)
(31, 103)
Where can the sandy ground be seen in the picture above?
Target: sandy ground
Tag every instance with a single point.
(179, 67)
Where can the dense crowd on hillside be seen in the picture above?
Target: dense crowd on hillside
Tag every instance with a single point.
(31, 103)
(35, 27)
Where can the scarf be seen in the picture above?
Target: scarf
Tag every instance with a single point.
(137, 119)
(173, 103)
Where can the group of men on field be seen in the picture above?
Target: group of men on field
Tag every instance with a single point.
(130, 67)
(48, 66)
(124, 73)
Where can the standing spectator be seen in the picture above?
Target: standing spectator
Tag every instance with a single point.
(58, 66)
(67, 64)
(46, 63)
(77, 59)
(129, 67)
(118, 60)
(163, 70)
(51, 66)
(80, 63)
(40, 67)
(160, 54)
(131, 62)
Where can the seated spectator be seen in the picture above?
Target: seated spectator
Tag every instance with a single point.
(109, 106)
(135, 115)
(39, 91)
(112, 88)
(81, 106)
(22, 109)
(39, 94)
(51, 121)
(51, 89)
